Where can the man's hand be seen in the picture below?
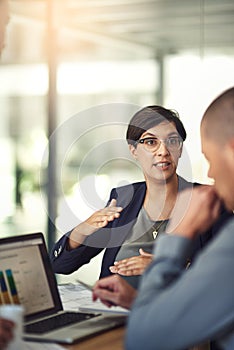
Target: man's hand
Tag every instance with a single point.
(195, 211)
(114, 290)
(133, 266)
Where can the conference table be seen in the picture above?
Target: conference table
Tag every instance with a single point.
(112, 339)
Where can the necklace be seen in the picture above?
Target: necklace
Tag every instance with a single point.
(157, 228)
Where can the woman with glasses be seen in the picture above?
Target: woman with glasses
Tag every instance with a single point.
(137, 213)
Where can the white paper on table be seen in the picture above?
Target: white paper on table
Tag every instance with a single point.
(74, 295)
(77, 297)
(39, 346)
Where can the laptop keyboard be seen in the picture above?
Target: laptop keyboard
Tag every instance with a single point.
(57, 321)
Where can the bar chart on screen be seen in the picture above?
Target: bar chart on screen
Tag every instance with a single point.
(8, 291)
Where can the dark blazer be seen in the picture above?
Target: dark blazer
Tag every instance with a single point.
(110, 238)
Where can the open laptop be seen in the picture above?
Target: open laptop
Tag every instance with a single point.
(26, 277)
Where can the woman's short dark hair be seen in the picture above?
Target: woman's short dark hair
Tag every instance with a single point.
(150, 116)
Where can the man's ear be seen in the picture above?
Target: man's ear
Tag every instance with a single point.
(230, 148)
(231, 142)
(228, 154)
(133, 151)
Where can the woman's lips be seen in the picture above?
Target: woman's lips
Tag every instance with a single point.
(162, 165)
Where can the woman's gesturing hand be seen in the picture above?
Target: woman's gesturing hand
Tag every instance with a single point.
(101, 217)
(97, 220)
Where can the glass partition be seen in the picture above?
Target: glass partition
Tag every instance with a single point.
(109, 59)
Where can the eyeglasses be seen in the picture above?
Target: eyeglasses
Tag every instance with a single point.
(152, 144)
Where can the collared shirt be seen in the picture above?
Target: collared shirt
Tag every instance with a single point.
(177, 308)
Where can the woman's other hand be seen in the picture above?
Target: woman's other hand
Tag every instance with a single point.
(133, 266)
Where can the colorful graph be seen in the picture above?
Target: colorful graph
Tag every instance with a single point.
(8, 291)
(13, 290)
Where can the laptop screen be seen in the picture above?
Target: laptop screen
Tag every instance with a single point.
(26, 276)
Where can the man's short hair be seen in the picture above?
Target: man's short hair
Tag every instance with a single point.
(218, 119)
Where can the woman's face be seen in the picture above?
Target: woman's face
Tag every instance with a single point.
(160, 164)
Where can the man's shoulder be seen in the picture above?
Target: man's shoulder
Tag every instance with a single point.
(228, 223)
(224, 238)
